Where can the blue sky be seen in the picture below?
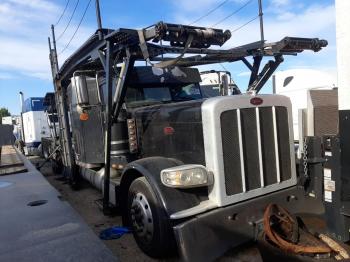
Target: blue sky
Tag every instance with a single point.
(25, 26)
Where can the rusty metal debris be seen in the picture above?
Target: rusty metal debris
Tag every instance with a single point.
(289, 234)
(341, 252)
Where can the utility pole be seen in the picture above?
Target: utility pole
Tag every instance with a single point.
(98, 17)
(54, 49)
(261, 23)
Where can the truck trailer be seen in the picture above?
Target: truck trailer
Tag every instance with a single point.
(190, 175)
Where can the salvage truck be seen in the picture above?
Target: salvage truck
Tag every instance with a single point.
(190, 175)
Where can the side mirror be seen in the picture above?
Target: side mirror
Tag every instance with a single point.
(79, 84)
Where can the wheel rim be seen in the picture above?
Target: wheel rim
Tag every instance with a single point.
(141, 217)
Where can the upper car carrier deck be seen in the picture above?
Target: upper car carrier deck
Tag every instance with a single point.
(183, 40)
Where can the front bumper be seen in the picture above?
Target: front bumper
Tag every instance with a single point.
(207, 236)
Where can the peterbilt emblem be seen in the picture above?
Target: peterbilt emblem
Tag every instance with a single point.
(256, 101)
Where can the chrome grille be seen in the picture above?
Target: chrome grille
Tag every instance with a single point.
(256, 148)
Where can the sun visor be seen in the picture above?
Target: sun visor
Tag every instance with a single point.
(152, 75)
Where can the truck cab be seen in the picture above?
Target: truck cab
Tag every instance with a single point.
(201, 154)
(34, 124)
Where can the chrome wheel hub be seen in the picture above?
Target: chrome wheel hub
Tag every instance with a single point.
(141, 217)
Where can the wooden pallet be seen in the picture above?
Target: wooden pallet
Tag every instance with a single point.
(10, 162)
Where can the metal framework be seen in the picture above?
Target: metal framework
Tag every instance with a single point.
(147, 44)
(107, 48)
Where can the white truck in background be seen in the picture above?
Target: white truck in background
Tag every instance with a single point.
(34, 124)
(216, 83)
(314, 98)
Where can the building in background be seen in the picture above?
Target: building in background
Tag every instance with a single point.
(15, 121)
(297, 85)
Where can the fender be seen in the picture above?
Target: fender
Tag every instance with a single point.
(172, 199)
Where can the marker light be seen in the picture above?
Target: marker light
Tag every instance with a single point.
(84, 116)
(132, 135)
(185, 176)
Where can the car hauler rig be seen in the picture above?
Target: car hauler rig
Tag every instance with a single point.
(188, 174)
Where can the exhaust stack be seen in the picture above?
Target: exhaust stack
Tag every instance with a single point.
(21, 101)
(22, 110)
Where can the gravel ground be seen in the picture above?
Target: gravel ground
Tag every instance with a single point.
(84, 202)
(125, 248)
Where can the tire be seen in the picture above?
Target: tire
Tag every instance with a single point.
(148, 220)
(56, 163)
(45, 153)
(74, 177)
(57, 167)
(41, 151)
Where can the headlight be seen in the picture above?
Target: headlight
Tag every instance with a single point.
(186, 176)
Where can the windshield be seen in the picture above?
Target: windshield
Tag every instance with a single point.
(137, 96)
(210, 91)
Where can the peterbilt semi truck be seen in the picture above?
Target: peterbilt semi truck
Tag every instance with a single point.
(190, 175)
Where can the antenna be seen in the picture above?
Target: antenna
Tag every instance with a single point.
(98, 17)
(261, 23)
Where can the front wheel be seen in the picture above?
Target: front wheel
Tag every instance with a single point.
(57, 166)
(150, 225)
